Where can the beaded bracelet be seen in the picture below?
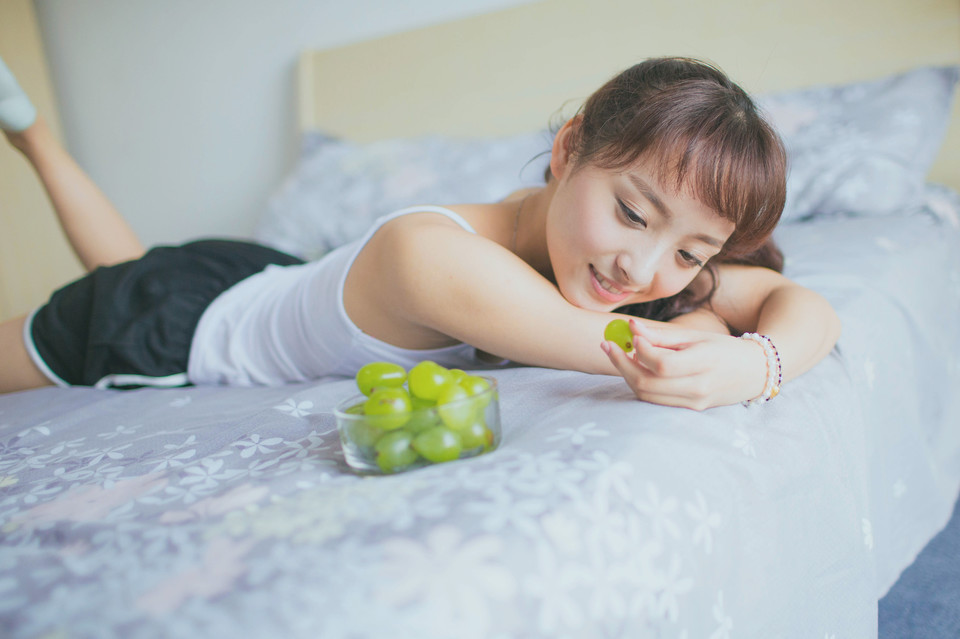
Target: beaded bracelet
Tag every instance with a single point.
(774, 370)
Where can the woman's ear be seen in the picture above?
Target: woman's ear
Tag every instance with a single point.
(562, 155)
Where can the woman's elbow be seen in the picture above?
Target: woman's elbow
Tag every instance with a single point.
(834, 327)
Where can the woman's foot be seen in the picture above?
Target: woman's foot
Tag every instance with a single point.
(17, 113)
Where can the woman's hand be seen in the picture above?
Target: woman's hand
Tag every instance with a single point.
(690, 368)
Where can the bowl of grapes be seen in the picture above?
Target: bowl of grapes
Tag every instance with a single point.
(402, 420)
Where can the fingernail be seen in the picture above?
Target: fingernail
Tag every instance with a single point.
(606, 347)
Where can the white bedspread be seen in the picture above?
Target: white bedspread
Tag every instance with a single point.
(216, 512)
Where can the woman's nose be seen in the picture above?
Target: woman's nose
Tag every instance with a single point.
(638, 270)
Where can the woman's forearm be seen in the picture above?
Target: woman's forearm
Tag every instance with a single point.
(802, 325)
(702, 319)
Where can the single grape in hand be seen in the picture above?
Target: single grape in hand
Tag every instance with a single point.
(618, 331)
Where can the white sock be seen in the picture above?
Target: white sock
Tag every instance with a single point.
(16, 111)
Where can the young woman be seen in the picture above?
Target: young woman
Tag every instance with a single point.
(661, 196)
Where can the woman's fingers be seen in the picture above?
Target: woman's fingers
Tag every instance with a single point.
(667, 337)
(679, 360)
(625, 364)
(688, 368)
(654, 359)
(645, 382)
(648, 386)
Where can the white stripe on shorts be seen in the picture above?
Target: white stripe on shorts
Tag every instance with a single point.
(170, 381)
(35, 354)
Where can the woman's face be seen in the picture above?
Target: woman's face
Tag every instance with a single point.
(620, 237)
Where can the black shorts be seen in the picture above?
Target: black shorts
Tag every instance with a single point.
(131, 324)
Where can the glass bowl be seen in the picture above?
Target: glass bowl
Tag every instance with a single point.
(377, 444)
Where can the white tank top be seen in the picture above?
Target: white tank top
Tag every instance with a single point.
(288, 324)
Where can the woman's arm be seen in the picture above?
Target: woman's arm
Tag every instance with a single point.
(428, 275)
(431, 274)
(702, 319)
(699, 370)
(801, 323)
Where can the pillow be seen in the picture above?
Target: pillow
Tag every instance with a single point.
(855, 149)
(339, 188)
(863, 148)
(943, 203)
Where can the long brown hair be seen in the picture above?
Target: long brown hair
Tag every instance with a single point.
(707, 136)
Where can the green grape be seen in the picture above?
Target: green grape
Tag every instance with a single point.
(422, 419)
(618, 332)
(380, 375)
(438, 444)
(426, 379)
(394, 451)
(455, 407)
(456, 375)
(424, 415)
(477, 386)
(388, 408)
(362, 433)
(476, 435)
(356, 409)
(419, 403)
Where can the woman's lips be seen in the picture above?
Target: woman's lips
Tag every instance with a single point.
(599, 281)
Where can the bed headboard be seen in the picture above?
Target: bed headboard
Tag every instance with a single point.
(510, 71)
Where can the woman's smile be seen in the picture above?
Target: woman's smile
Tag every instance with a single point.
(606, 289)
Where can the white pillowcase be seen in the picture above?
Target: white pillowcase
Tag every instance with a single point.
(855, 149)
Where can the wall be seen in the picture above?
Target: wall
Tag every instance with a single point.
(183, 110)
(34, 255)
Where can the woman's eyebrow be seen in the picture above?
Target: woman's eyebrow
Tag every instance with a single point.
(641, 185)
(651, 194)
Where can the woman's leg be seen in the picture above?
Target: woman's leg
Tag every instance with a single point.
(17, 370)
(96, 231)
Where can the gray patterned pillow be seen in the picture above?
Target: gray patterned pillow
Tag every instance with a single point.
(339, 188)
(861, 148)
(864, 148)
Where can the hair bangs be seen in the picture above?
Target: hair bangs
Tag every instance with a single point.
(715, 147)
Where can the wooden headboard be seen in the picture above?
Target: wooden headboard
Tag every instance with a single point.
(512, 70)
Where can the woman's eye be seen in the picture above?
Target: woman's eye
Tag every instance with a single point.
(690, 259)
(631, 215)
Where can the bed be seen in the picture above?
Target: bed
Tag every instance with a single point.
(225, 512)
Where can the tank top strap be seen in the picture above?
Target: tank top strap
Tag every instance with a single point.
(423, 208)
(357, 246)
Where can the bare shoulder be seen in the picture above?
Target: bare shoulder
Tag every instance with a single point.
(412, 265)
(427, 283)
(416, 242)
(427, 259)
